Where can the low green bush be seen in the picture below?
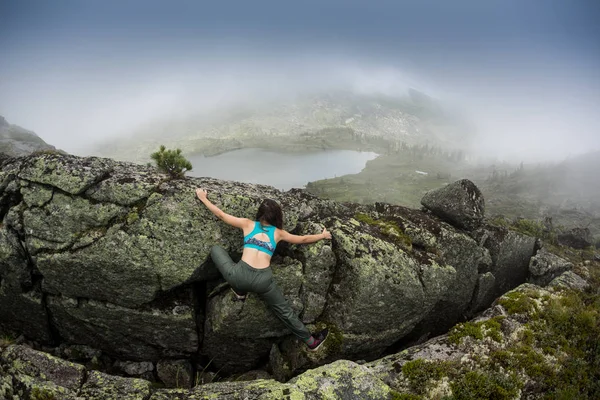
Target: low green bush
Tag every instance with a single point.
(171, 162)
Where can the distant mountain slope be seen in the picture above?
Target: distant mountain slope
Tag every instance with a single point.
(412, 118)
(16, 141)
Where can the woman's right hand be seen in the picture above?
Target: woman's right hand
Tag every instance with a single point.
(326, 234)
(201, 193)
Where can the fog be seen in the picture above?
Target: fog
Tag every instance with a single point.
(526, 77)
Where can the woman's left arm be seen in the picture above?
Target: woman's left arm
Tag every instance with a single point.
(222, 215)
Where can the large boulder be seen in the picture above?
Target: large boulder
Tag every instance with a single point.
(116, 256)
(166, 328)
(510, 253)
(545, 266)
(459, 203)
(104, 386)
(577, 238)
(380, 290)
(38, 375)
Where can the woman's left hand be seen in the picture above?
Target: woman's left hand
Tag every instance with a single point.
(201, 193)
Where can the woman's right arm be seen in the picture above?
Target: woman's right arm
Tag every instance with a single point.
(242, 223)
(304, 239)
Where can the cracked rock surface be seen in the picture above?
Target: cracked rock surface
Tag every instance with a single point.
(116, 256)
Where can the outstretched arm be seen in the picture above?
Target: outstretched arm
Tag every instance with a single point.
(305, 239)
(222, 215)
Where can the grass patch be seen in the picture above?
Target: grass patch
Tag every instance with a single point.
(6, 339)
(476, 385)
(559, 348)
(420, 372)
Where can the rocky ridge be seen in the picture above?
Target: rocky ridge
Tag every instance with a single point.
(16, 141)
(115, 256)
(493, 356)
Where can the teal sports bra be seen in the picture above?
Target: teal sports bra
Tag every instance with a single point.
(253, 243)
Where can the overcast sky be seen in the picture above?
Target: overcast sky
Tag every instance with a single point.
(528, 71)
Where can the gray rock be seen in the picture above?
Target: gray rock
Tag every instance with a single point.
(318, 268)
(145, 334)
(459, 203)
(16, 141)
(257, 390)
(42, 366)
(117, 270)
(484, 292)
(569, 280)
(380, 291)
(175, 373)
(545, 266)
(21, 302)
(252, 376)
(71, 174)
(279, 365)
(63, 220)
(389, 368)
(119, 256)
(577, 238)
(133, 368)
(346, 379)
(103, 386)
(510, 252)
(79, 352)
(465, 256)
(342, 379)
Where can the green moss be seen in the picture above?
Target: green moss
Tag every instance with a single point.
(367, 219)
(476, 385)
(518, 303)
(404, 396)
(465, 329)
(477, 330)
(132, 217)
(42, 394)
(390, 229)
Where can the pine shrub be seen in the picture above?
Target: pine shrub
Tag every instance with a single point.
(171, 162)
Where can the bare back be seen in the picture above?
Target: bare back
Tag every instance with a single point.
(254, 257)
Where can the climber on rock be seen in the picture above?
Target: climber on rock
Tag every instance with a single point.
(253, 272)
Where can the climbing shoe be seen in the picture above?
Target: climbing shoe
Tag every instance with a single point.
(238, 297)
(319, 338)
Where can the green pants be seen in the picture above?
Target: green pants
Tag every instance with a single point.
(243, 279)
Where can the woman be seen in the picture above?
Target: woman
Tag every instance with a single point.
(253, 272)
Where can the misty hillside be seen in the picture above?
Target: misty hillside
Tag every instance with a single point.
(412, 118)
(568, 191)
(16, 141)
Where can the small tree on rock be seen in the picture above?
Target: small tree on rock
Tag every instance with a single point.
(171, 162)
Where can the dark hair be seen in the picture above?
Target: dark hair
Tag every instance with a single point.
(270, 212)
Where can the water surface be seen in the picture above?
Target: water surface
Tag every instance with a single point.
(281, 170)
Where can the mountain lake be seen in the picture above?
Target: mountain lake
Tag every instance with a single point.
(281, 170)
